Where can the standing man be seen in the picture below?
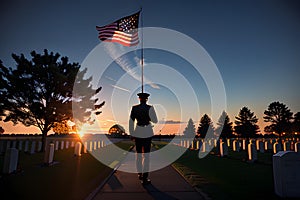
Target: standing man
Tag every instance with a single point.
(143, 114)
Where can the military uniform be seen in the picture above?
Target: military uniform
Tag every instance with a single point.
(143, 114)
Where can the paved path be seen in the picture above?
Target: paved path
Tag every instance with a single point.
(166, 184)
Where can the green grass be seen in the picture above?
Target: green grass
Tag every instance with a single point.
(71, 178)
(229, 178)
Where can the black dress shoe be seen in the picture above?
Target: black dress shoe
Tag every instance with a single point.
(146, 181)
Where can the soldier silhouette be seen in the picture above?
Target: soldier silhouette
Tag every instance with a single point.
(142, 133)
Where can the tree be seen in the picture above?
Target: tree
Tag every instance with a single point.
(205, 126)
(224, 129)
(246, 123)
(280, 117)
(39, 91)
(117, 131)
(296, 123)
(1, 130)
(190, 130)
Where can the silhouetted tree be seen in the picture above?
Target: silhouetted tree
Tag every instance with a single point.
(296, 123)
(1, 130)
(38, 92)
(246, 123)
(116, 130)
(280, 117)
(190, 130)
(224, 129)
(205, 126)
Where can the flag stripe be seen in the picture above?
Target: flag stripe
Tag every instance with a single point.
(123, 31)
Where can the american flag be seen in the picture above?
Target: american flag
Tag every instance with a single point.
(123, 31)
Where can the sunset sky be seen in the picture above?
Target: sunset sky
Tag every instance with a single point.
(254, 44)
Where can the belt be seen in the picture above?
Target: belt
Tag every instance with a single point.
(143, 125)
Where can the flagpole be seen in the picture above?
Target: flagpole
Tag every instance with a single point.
(142, 51)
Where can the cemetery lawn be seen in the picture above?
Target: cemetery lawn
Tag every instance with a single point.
(70, 178)
(229, 178)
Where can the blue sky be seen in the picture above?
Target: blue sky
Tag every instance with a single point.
(255, 44)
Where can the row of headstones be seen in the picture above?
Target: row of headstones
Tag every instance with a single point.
(251, 146)
(21, 145)
(12, 154)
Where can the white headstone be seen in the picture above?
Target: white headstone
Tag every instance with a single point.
(14, 144)
(62, 144)
(252, 153)
(257, 144)
(235, 145)
(26, 146)
(197, 144)
(99, 144)
(181, 143)
(56, 145)
(244, 144)
(72, 144)
(223, 149)
(286, 165)
(102, 143)
(90, 146)
(261, 147)
(77, 151)
(49, 154)
(2, 149)
(95, 145)
(32, 149)
(7, 144)
(297, 147)
(215, 142)
(20, 145)
(85, 147)
(203, 147)
(39, 146)
(286, 146)
(228, 142)
(276, 147)
(10, 160)
(67, 144)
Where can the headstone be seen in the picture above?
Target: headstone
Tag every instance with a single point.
(14, 144)
(7, 144)
(49, 154)
(39, 146)
(20, 145)
(197, 144)
(235, 145)
(2, 148)
(261, 147)
(10, 160)
(276, 147)
(228, 142)
(56, 145)
(297, 147)
(215, 142)
(32, 149)
(85, 147)
(223, 149)
(62, 144)
(77, 151)
(184, 144)
(90, 146)
(181, 143)
(286, 146)
(286, 165)
(244, 144)
(99, 144)
(257, 144)
(26, 149)
(95, 145)
(102, 143)
(67, 144)
(203, 147)
(187, 144)
(252, 153)
(72, 144)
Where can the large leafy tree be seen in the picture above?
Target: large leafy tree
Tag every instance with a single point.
(38, 92)
(280, 117)
(246, 123)
(224, 129)
(205, 126)
(190, 130)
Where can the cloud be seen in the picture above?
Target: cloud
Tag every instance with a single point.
(120, 88)
(125, 63)
(170, 122)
